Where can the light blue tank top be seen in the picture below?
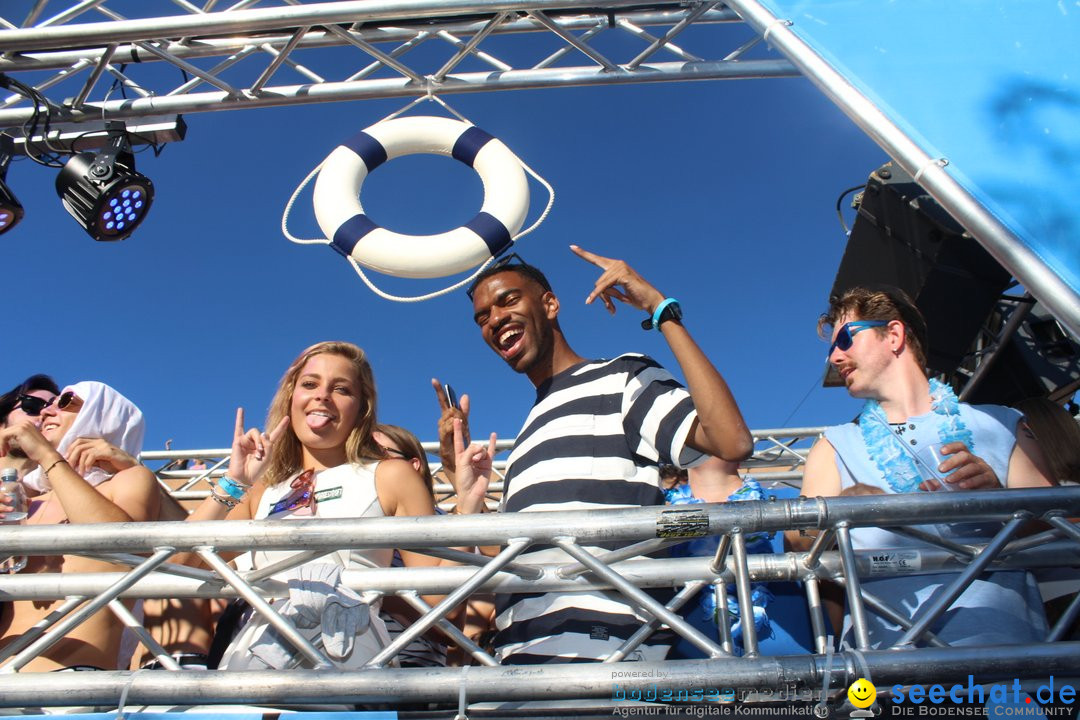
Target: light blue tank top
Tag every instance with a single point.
(1000, 608)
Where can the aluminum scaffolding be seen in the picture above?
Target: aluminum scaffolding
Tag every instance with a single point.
(145, 549)
(210, 59)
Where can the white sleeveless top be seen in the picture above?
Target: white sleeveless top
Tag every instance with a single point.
(345, 491)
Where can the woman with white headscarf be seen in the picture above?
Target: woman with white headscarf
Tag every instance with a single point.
(89, 410)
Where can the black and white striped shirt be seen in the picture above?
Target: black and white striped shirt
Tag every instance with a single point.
(594, 439)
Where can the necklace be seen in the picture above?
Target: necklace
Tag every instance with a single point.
(894, 459)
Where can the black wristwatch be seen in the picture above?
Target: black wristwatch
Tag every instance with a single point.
(668, 309)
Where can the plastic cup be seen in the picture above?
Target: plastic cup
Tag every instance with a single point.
(931, 458)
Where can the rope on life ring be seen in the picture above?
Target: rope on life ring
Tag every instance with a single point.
(354, 235)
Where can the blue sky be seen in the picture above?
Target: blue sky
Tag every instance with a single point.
(721, 194)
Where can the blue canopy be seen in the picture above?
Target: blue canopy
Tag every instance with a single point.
(991, 87)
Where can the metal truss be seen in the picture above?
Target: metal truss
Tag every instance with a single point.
(89, 63)
(778, 458)
(146, 547)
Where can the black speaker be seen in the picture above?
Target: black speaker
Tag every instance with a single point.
(902, 237)
(1040, 360)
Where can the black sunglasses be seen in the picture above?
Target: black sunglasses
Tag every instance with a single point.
(32, 405)
(511, 260)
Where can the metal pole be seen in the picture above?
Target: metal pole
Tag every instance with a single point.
(742, 591)
(448, 603)
(854, 587)
(640, 599)
(945, 596)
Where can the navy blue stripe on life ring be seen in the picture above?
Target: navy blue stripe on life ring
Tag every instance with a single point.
(368, 149)
(491, 231)
(469, 144)
(350, 232)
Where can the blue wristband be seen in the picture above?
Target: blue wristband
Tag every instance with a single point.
(231, 487)
(659, 309)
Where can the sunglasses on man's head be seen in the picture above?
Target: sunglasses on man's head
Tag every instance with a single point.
(847, 333)
(505, 260)
(32, 405)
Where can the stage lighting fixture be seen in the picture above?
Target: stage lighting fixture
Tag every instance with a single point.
(102, 191)
(11, 211)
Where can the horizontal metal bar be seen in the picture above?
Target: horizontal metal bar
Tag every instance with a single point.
(272, 19)
(399, 32)
(654, 572)
(588, 527)
(569, 681)
(280, 96)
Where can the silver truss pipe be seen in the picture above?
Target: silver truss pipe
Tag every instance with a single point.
(853, 587)
(400, 32)
(1022, 309)
(944, 597)
(1066, 620)
(448, 603)
(886, 611)
(723, 618)
(95, 75)
(589, 527)
(937, 540)
(817, 613)
(263, 608)
(72, 621)
(486, 81)
(742, 593)
(640, 599)
(39, 628)
(645, 547)
(671, 33)
(642, 633)
(1000, 241)
(720, 557)
(822, 542)
(344, 12)
(1065, 526)
(448, 628)
(283, 565)
(467, 47)
(120, 611)
(647, 573)
(280, 57)
(528, 572)
(570, 681)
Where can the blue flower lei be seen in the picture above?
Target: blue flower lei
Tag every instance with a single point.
(887, 450)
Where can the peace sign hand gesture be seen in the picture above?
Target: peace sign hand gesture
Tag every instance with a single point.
(251, 449)
(621, 282)
(473, 471)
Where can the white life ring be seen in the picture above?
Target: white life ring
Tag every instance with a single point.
(353, 234)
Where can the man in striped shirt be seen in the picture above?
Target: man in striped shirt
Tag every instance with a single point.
(594, 439)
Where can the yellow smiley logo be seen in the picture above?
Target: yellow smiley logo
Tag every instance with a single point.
(862, 693)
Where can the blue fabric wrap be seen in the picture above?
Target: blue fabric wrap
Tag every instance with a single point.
(368, 149)
(350, 233)
(469, 144)
(491, 231)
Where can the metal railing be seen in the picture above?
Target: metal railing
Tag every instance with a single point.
(146, 548)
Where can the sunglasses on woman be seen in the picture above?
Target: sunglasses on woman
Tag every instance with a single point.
(301, 498)
(32, 405)
(847, 333)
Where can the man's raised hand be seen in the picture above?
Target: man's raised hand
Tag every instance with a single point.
(621, 282)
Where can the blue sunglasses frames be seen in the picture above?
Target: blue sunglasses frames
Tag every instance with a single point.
(847, 333)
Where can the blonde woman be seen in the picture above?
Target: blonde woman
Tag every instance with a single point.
(319, 459)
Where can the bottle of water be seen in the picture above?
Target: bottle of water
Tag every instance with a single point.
(14, 495)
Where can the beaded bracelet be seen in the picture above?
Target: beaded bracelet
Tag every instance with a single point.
(227, 502)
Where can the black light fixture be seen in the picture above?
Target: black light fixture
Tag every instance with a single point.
(11, 210)
(102, 191)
